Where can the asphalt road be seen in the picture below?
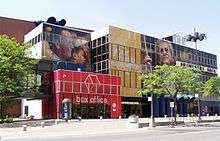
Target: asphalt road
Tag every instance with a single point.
(157, 134)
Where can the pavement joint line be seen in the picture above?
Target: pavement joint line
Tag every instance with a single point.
(70, 133)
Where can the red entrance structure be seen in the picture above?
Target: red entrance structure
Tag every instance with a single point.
(92, 95)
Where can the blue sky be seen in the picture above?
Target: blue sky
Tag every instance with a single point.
(157, 18)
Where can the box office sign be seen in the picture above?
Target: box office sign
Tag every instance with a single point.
(91, 99)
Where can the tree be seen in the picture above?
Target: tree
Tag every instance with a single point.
(16, 71)
(212, 87)
(171, 80)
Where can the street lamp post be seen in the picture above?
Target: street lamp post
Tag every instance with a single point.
(199, 111)
(152, 120)
(196, 36)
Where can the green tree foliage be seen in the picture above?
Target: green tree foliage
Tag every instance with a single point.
(212, 87)
(16, 70)
(171, 80)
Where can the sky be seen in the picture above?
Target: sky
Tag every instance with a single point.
(158, 18)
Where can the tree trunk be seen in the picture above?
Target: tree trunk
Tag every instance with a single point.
(175, 110)
(1, 112)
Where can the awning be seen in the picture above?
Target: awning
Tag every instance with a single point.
(130, 103)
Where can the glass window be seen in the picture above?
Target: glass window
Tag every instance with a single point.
(99, 50)
(127, 54)
(94, 43)
(99, 58)
(103, 39)
(132, 55)
(99, 66)
(138, 56)
(99, 41)
(214, 62)
(127, 79)
(199, 59)
(121, 53)
(94, 52)
(104, 65)
(114, 52)
(39, 38)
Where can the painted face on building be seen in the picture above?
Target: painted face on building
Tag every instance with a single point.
(80, 55)
(165, 52)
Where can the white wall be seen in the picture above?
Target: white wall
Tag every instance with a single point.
(36, 50)
(99, 33)
(34, 108)
(34, 32)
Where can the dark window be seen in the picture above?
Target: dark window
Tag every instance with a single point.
(208, 61)
(94, 67)
(94, 52)
(32, 41)
(104, 57)
(93, 59)
(99, 66)
(26, 110)
(99, 41)
(94, 43)
(99, 50)
(199, 59)
(39, 38)
(99, 58)
(214, 62)
(189, 56)
(104, 65)
(103, 39)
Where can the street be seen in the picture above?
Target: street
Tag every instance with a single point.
(143, 134)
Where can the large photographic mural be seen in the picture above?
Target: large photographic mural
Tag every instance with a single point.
(156, 52)
(165, 52)
(64, 44)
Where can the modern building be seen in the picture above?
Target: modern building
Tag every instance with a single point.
(129, 54)
(64, 72)
(99, 71)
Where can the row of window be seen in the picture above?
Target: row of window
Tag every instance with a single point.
(198, 67)
(100, 41)
(100, 66)
(35, 40)
(128, 79)
(200, 59)
(125, 54)
(99, 50)
(191, 56)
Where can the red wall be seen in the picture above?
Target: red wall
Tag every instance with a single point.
(84, 87)
(15, 28)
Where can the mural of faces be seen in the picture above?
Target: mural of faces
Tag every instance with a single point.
(146, 61)
(165, 51)
(67, 45)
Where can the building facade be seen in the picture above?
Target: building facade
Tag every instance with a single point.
(129, 54)
(117, 55)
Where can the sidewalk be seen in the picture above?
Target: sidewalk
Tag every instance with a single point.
(71, 128)
(88, 127)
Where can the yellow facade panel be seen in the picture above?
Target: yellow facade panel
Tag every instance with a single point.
(138, 56)
(127, 54)
(133, 81)
(124, 37)
(114, 51)
(132, 53)
(127, 79)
